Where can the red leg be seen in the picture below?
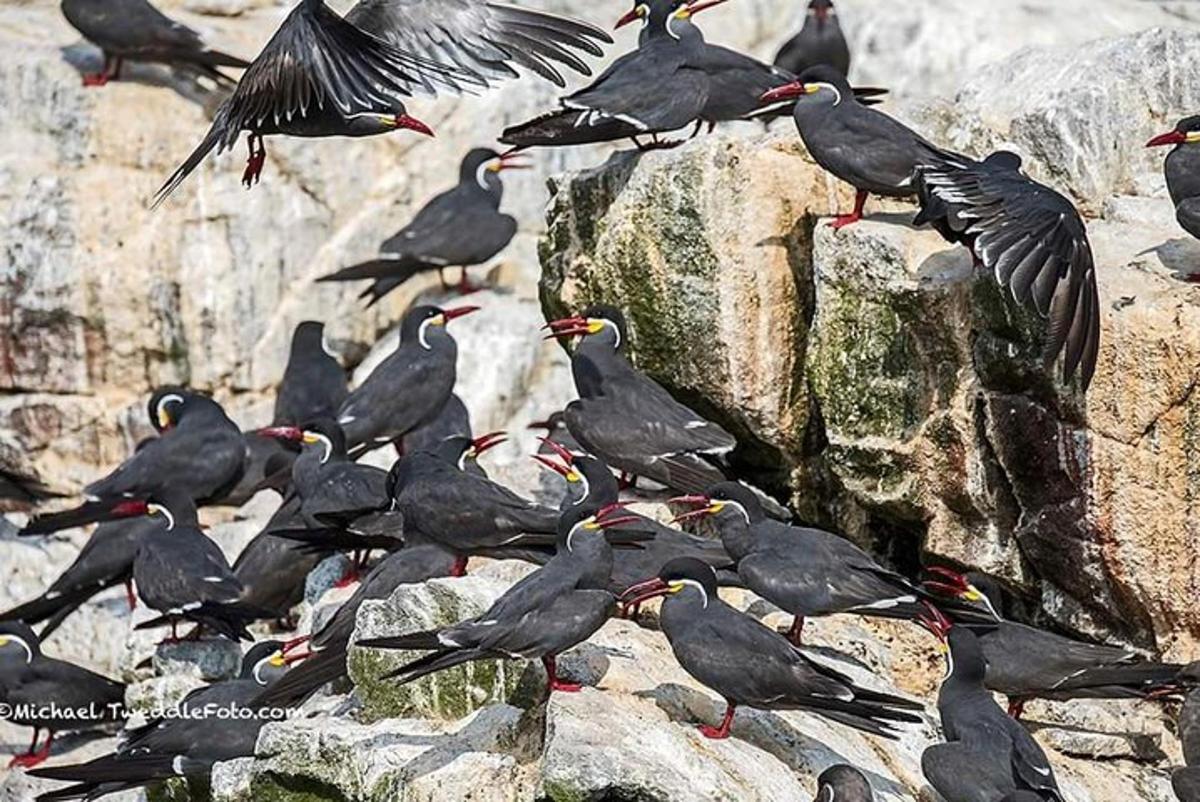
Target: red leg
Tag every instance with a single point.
(1016, 708)
(723, 730)
(254, 164)
(844, 220)
(465, 287)
(32, 758)
(552, 674)
(796, 632)
(460, 567)
(111, 67)
(1192, 278)
(627, 481)
(130, 597)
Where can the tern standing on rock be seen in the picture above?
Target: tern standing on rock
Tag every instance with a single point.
(30, 679)
(137, 31)
(1182, 169)
(807, 572)
(627, 419)
(860, 145)
(553, 609)
(200, 451)
(750, 664)
(987, 755)
(407, 389)
(461, 227)
(211, 724)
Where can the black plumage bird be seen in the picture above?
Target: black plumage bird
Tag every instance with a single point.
(134, 30)
(843, 783)
(820, 41)
(749, 664)
(201, 451)
(434, 239)
(326, 661)
(322, 75)
(454, 420)
(862, 146)
(105, 561)
(407, 389)
(210, 725)
(48, 694)
(627, 419)
(1025, 662)
(805, 571)
(553, 609)
(591, 485)
(987, 755)
(464, 512)
(1029, 237)
(181, 573)
(649, 91)
(1182, 170)
(314, 382)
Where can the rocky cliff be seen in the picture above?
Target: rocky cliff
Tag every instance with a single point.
(871, 375)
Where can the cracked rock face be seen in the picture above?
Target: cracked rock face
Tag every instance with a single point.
(895, 391)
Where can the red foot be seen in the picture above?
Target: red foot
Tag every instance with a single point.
(709, 731)
(465, 287)
(843, 220)
(349, 578)
(28, 761)
(627, 481)
(460, 567)
(32, 758)
(1192, 278)
(254, 164)
(94, 79)
(565, 687)
(716, 733)
(1016, 708)
(130, 597)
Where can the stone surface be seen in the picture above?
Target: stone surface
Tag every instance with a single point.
(871, 376)
(452, 693)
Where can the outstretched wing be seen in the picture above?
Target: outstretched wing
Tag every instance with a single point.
(484, 40)
(1035, 243)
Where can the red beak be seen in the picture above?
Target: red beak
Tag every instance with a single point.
(489, 440)
(458, 311)
(702, 501)
(1169, 138)
(294, 642)
(951, 584)
(413, 124)
(696, 8)
(567, 327)
(935, 621)
(561, 470)
(294, 433)
(563, 454)
(786, 92)
(631, 15)
(644, 590)
(508, 161)
(130, 509)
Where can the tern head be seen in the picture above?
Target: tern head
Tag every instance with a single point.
(1186, 132)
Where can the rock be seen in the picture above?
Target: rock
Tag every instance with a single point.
(452, 693)
(1079, 116)
(480, 757)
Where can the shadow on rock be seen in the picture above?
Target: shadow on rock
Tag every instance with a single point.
(763, 729)
(87, 59)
